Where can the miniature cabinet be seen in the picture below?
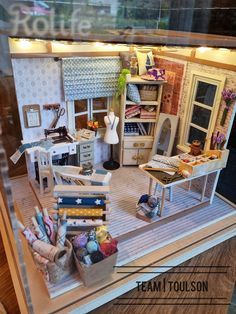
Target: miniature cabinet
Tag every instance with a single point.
(135, 147)
(85, 153)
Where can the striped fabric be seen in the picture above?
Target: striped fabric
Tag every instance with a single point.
(90, 77)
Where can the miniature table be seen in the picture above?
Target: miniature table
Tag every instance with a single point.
(157, 175)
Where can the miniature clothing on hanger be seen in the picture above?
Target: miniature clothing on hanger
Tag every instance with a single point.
(111, 122)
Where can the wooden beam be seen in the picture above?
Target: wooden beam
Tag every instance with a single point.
(215, 64)
(64, 54)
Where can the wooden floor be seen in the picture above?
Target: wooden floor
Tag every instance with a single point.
(220, 286)
(124, 196)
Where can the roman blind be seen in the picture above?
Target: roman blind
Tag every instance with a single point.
(90, 77)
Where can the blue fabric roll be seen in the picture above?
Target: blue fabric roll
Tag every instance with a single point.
(92, 201)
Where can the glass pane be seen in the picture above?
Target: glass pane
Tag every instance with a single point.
(201, 116)
(81, 122)
(100, 103)
(80, 105)
(205, 93)
(195, 134)
(100, 118)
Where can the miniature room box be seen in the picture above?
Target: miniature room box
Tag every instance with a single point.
(210, 161)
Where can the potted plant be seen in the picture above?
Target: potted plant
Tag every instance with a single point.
(229, 97)
(121, 84)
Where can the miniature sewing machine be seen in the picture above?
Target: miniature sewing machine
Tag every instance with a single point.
(64, 136)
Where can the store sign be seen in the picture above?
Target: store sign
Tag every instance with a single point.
(24, 21)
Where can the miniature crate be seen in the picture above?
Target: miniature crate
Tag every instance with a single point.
(101, 271)
(207, 166)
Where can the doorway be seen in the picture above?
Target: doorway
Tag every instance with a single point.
(227, 180)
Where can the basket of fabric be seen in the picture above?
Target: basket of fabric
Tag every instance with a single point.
(148, 92)
(55, 271)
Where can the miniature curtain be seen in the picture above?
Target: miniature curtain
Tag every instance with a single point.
(90, 77)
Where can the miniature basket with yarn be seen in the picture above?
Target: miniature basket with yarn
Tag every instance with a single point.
(63, 265)
(95, 254)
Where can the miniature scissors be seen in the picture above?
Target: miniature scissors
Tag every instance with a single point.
(59, 113)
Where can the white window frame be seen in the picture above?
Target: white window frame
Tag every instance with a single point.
(72, 115)
(219, 82)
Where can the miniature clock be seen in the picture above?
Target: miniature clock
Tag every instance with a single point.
(32, 117)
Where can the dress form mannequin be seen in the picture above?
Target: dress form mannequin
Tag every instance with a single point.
(111, 137)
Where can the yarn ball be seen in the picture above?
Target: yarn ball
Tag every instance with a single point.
(80, 241)
(152, 201)
(92, 246)
(143, 198)
(108, 248)
(80, 253)
(151, 214)
(101, 233)
(96, 257)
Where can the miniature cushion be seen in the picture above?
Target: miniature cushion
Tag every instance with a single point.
(133, 93)
(145, 61)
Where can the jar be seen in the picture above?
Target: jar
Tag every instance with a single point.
(195, 148)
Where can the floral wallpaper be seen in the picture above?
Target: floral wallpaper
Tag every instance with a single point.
(39, 81)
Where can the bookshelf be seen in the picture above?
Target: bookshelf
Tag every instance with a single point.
(138, 123)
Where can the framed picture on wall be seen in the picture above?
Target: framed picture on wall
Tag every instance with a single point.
(32, 116)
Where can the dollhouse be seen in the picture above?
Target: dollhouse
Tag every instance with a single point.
(59, 93)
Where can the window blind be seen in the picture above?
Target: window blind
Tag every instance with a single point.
(90, 77)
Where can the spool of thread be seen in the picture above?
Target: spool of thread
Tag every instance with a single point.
(92, 246)
(80, 253)
(28, 234)
(40, 232)
(80, 241)
(48, 222)
(52, 253)
(96, 257)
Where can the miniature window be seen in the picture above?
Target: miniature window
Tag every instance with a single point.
(90, 109)
(200, 118)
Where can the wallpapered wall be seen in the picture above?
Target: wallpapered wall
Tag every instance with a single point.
(38, 81)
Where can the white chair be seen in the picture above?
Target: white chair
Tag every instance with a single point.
(45, 169)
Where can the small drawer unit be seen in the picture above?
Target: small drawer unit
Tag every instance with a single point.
(85, 153)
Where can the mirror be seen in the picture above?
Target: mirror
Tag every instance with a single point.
(165, 134)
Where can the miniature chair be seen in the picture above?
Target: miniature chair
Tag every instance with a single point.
(45, 169)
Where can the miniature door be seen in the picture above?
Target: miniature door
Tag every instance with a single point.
(165, 134)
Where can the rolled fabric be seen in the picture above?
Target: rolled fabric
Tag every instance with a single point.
(48, 222)
(92, 201)
(40, 259)
(61, 234)
(39, 218)
(46, 250)
(82, 212)
(30, 237)
(40, 232)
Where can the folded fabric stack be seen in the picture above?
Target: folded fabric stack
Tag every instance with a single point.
(132, 111)
(144, 114)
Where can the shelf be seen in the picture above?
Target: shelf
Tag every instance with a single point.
(143, 103)
(140, 120)
(139, 80)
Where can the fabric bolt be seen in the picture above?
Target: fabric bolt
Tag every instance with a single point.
(92, 201)
(84, 212)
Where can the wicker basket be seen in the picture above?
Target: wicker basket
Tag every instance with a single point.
(147, 94)
(56, 271)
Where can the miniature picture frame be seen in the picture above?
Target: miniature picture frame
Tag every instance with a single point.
(32, 116)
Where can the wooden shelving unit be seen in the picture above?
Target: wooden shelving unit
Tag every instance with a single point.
(135, 149)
